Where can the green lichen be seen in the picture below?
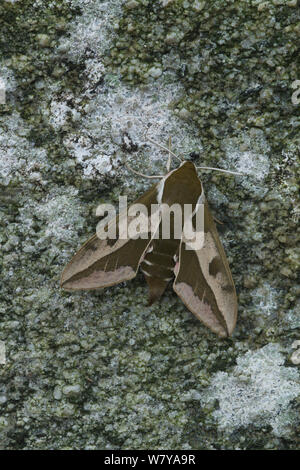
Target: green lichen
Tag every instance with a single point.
(234, 59)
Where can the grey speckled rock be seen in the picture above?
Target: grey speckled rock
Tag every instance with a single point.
(84, 80)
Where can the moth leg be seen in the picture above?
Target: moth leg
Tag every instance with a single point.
(218, 221)
(169, 157)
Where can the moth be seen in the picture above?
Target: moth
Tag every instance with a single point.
(201, 277)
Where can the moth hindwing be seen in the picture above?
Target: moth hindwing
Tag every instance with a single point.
(201, 275)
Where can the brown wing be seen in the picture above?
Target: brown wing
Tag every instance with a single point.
(102, 263)
(204, 282)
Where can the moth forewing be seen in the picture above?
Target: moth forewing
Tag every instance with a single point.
(105, 262)
(107, 227)
(204, 283)
(140, 222)
(193, 228)
(220, 276)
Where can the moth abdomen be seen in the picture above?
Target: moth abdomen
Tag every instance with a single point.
(159, 259)
(157, 271)
(158, 266)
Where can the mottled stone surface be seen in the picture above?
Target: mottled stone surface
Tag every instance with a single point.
(84, 81)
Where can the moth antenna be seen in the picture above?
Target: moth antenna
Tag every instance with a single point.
(219, 169)
(162, 147)
(142, 174)
(165, 148)
(169, 158)
(218, 221)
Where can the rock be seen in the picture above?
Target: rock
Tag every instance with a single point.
(84, 81)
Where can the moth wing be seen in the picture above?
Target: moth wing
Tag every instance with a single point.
(102, 263)
(204, 282)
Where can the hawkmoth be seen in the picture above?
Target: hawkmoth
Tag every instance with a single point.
(201, 277)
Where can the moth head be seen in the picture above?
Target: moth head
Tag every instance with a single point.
(188, 165)
(184, 164)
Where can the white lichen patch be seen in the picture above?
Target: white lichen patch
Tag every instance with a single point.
(250, 156)
(58, 213)
(101, 164)
(265, 299)
(215, 196)
(89, 155)
(258, 392)
(288, 168)
(92, 30)
(59, 216)
(116, 116)
(119, 118)
(123, 116)
(92, 75)
(18, 155)
(7, 78)
(58, 113)
(251, 164)
(291, 318)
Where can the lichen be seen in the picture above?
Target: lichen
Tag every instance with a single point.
(257, 392)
